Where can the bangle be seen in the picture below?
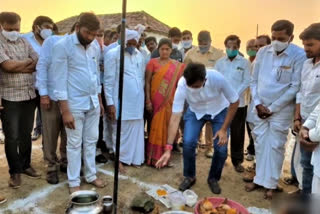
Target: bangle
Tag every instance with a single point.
(297, 120)
(168, 147)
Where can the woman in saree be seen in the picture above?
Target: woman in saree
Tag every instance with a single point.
(162, 76)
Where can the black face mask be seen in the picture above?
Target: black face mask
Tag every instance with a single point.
(82, 40)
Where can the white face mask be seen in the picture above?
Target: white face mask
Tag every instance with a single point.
(194, 90)
(45, 33)
(279, 46)
(11, 35)
(175, 46)
(186, 44)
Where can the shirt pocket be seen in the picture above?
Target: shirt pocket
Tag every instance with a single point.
(284, 74)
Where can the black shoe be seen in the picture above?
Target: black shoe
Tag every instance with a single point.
(101, 159)
(214, 186)
(187, 183)
(63, 168)
(239, 168)
(52, 177)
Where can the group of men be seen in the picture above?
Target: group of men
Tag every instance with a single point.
(73, 79)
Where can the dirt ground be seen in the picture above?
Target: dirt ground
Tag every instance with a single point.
(37, 196)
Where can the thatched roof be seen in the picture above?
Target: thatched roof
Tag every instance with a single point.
(111, 21)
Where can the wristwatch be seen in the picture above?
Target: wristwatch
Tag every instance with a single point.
(168, 147)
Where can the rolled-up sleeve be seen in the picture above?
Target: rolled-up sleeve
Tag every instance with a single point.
(60, 66)
(43, 68)
(110, 72)
(179, 97)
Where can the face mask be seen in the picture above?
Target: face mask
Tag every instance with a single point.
(232, 53)
(187, 44)
(175, 46)
(11, 35)
(82, 40)
(279, 46)
(130, 49)
(45, 33)
(204, 49)
(251, 53)
(119, 42)
(194, 90)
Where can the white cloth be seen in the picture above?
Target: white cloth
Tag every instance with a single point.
(84, 136)
(33, 42)
(309, 94)
(316, 184)
(270, 137)
(132, 34)
(251, 108)
(275, 82)
(131, 142)
(77, 73)
(133, 83)
(237, 74)
(276, 78)
(110, 47)
(216, 95)
(313, 124)
(45, 74)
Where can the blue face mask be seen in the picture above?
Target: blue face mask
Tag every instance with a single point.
(204, 48)
(232, 53)
(119, 41)
(130, 49)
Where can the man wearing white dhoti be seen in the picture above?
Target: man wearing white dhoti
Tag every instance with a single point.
(132, 130)
(274, 86)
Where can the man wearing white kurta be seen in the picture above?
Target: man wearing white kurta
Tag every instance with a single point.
(132, 133)
(307, 101)
(77, 88)
(274, 86)
(311, 131)
(236, 70)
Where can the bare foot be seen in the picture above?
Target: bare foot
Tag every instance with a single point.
(74, 189)
(122, 169)
(252, 186)
(98, 183)
(268, 194)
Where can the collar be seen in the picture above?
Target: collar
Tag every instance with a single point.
(311, 62)
(76, 40)
(238, 57)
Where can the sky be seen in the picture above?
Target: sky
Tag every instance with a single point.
(220, 17)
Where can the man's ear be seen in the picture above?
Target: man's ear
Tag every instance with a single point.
(292, 37)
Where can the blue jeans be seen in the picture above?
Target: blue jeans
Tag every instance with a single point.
(307, 174)
(192, 129)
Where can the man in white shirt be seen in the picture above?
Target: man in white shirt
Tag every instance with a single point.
(275, 83)
(41, 29)
(132, 133)
(308, 96)
(77, 89)
(236, 70)
(309, 140)
(50, 113)
(211, 99)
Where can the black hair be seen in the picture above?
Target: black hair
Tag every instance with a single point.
(204, 36)
(112, 34)
(55, 29)
(165, 41)
(311, 32)
(107, 33)
(89, 20)
(194, 72)
(232, 37)
(73, 27)
(266, 37)
(10, 18)
(174, 32)
(40, 20)
(281, 25)
(186, 32)
(149, 39)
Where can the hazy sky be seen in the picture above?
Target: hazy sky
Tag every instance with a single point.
(221, 18)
